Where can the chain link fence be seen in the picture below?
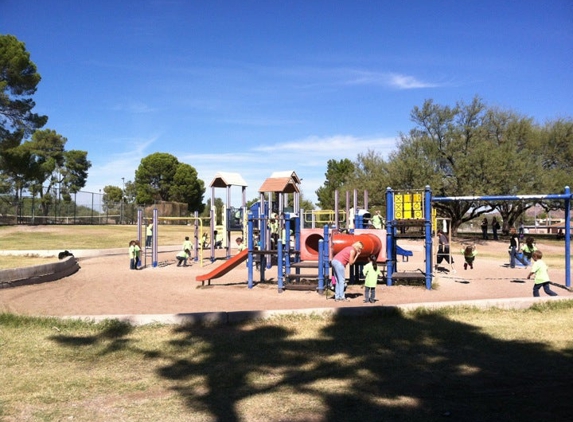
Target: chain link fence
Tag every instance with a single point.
(82, 208)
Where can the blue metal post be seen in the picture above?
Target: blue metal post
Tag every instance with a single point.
(321, 265)
(389, 236)
(263, 234)
(567, 236)
(297, 223)
(251, 246)
(155, 236)
(280, 248)
(287, 243)
(326, 251)
(428, 235)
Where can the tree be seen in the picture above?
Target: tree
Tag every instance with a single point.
(555, 144)
(219, 207)
(187, 187)
(18, 82)
(161, 177)
(371, 174)
(112, 198)
(338, 175)
(468, 150)
(305, 204)
(44, 167)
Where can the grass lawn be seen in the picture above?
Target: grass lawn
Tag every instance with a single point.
(72, 237)
(453, 364)
(84, 237)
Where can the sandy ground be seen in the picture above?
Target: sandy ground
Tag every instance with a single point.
(106, 286)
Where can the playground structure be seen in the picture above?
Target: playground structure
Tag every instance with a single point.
(299, 247)
(292, 246)
(233, 218)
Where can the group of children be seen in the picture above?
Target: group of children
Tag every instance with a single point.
(531, 256)
(372, 272)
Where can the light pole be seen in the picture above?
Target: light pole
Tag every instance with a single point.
(122, 195)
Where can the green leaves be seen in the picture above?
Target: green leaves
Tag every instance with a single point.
(18, 81)
(161, 177)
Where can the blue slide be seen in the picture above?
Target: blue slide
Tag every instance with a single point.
(405, 254)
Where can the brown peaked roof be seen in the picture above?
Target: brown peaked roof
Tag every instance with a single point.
(279, 185)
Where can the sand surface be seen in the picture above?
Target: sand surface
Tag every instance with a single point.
(106, 286)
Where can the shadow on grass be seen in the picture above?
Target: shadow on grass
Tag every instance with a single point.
(389, 366)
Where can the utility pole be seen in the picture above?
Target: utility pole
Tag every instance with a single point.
(122, 199)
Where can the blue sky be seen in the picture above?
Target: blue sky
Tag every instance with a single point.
(254, 87)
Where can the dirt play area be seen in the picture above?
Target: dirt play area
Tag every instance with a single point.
(105, 285)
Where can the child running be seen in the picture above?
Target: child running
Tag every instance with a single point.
(371, 274)
(540, 270)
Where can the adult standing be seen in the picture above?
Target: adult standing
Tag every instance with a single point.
(513, 248)
(495, 227)
(346, 256)
(484, 229)
(444, 249)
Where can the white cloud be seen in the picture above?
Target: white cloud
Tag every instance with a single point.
(307, 157)
(408, 82)
(113, 167)
(388, 79)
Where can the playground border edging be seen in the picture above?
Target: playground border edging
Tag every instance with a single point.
(36, 274)
(234, 317)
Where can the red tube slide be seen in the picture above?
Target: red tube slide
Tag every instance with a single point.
(371, 239)
(372, 244)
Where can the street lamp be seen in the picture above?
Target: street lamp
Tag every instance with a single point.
(121, 204)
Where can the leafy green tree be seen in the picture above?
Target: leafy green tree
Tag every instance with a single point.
(305, 204)
(339, 174)
(161, 177)
(187, 187)
(130, 192)
(467, 150)
(555, 146)
(18, 168)
(18, 81)
(371, 175)
(514, 168)
(112, 198)
(219, 206)
(44, 167)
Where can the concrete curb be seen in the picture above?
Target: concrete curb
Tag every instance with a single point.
(44, 273)
(38, 273)
(235, 317)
